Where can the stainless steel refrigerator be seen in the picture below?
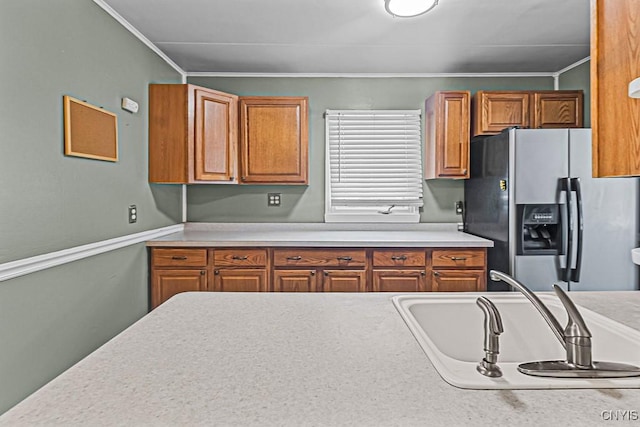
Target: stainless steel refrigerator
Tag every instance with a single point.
(531, 191)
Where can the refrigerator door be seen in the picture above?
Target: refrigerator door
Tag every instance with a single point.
(540, 162)
(487, 200)
(610, 217)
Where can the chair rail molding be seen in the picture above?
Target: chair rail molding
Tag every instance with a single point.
(22, 267)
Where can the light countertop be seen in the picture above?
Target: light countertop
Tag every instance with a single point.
(265, 359)
(319, 235)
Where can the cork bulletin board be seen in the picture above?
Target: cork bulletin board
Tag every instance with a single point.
(89, 131)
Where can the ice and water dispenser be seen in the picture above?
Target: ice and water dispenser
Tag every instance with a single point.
(540, 230)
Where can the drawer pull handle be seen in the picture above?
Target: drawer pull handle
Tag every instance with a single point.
(238, 257)
(436, 273)
(294, 258)
(344, 258)
(458, 258)
(179, 258)
(399, 257)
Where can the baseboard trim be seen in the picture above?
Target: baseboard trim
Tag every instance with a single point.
(22, 267)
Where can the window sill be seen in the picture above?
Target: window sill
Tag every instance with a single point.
(392, 217)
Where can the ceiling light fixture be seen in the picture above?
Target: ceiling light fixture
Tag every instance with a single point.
(634, 88)
(409, 8)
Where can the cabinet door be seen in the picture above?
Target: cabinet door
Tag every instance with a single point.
(447, 135)
(240, 280)
(167, 283)
(294, 280)
(274, 140)
(458, 281)
(614, 63)
(399, 281)
(557, 109)
(494, 111)
(216, 122)
(344, 281)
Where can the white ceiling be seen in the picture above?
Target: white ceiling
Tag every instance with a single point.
(358, 36)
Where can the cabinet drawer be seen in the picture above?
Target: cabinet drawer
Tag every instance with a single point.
(240, 257)
(398, 258)
(319, 258)
(459, 258)
(179, 257)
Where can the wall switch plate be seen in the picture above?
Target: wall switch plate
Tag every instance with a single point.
(133, 214)
(459, 208)
(273, 199)
(130, 105)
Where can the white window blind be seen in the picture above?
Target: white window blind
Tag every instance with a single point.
(374, 159)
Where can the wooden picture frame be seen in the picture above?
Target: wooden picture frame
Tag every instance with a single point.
(89, 131)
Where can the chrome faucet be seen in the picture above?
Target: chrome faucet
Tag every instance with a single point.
(575, 338)
(488, 366)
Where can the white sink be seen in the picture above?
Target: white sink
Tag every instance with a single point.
(450, 329)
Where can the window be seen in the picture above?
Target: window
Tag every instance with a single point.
(373, 166)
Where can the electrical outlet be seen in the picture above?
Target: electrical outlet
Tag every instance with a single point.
(133, 214)
(459, 208)
(273, 199)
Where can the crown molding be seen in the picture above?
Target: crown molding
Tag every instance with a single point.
(366, 75)
(133, 30)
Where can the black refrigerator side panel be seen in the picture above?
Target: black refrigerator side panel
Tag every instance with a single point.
(487, 200)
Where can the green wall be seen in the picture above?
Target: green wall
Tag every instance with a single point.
(579, 78)
(211, 203)
(48, 202)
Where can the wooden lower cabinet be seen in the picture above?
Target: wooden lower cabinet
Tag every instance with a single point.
(294, 281)
(167, 283)
(344, 281)
(399, 281)
(175, 270)
(317, 280)
(240, 280)
(458, 281)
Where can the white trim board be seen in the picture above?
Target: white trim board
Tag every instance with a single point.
(133, 30)
(365, 75)
(22, 267)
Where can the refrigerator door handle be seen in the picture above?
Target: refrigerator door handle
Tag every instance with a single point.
(566, 187)
(575, 272)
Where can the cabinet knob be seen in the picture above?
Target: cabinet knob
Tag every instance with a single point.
(422, 273)
(436, 273)
(244, 178)
(231, 178)
(313, 273)
(203, 272)
(216, 272)
(326, 273)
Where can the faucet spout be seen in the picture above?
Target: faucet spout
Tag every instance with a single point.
(551, 320)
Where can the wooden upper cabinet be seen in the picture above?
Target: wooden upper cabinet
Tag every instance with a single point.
(557, 109)
(274, 140)
(216, 127)
(447, 135)
(496, 110)
(192, 134)
(615, 118)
